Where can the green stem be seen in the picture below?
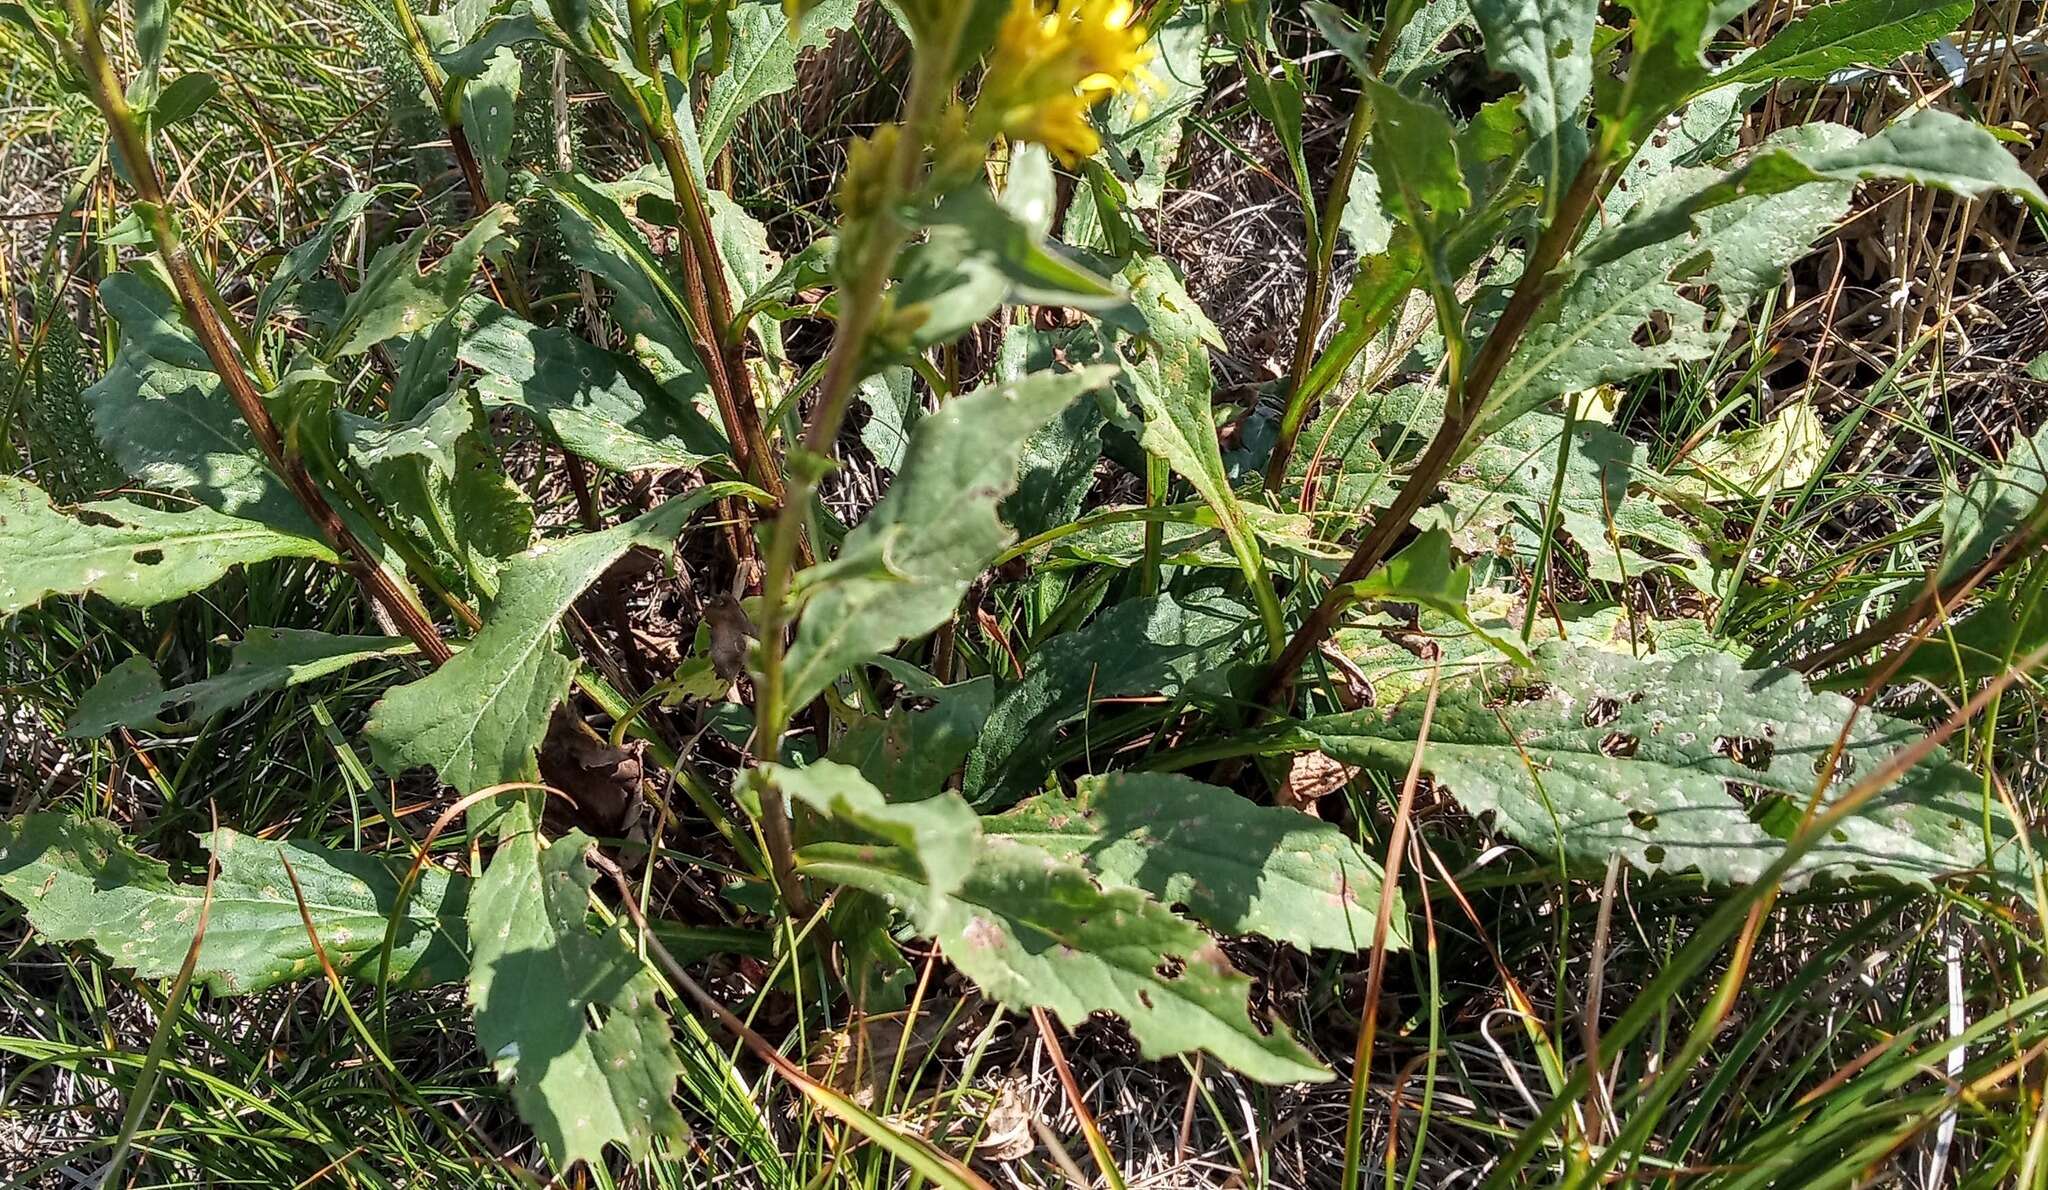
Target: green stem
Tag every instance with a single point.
(1300, 396)
(861, 303)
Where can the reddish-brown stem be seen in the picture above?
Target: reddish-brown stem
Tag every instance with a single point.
(1460, 415)
(202, 311)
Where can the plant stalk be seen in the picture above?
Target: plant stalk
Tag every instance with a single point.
(1460, 415)
(226, 349)
(861, 308)
(1316, 305)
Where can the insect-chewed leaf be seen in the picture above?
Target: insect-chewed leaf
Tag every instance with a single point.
(764, 54)
(1166, 645)
(584, 399)
(904, 570)
(479, 719)
(397, 298)
(1238, 867)
(937, 832)
(131, 694)
(1692, 763)
(1548, 45)
(1593, 331)
(1031, 930)
(81, 881)
(1424, 574)
(135, 556)
(539, 968)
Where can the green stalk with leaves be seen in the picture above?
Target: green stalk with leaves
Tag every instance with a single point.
(1013, 667)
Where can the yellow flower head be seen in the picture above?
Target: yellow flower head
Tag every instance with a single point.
(1055, 59)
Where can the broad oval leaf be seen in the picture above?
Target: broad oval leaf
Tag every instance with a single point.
(1238, 867)
(135, 556)
(1676, 764)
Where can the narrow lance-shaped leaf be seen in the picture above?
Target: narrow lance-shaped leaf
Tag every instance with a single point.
(764, 53)
(135, 556)
(80, 880)
(903, 571)
(478, 721)
(132, 695)
(541, 966)
(397, 298)
(1548, 44)
(1239, 868)
(1031, 930)
(1175, 391)
(165, 418)
(1848, 33)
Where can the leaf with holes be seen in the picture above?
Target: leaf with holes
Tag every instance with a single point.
(1692, 763)
(80, 880)
(1238, 867)
(1032, 931)
(134, 556)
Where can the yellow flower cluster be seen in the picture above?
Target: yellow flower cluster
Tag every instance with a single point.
(1053, 61)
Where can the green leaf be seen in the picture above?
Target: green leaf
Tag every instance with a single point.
(540, 968)
(1548, 44)
(132, 695)
(937, 833)
(1593, 331)
(647, 301)
(1692, 763)
(764, 54)
(1975, 520)
(1057, 465)
(903, 571)
(893, 409)
(584, 398)
(1417, 155)
(490, 111)
(80, 880)
(1169, 645)
(397, 298)
(163, 415)
(427, 438)
(307, 259)
(1029, 930)
(1497, 496)
(978, 256)
(134, 556)
(478, 721)
(1929, 148)
(1848, 33)
(1238, 867)
(1175, 392)
(1422, 573)
(913, 753)
(182, 98)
